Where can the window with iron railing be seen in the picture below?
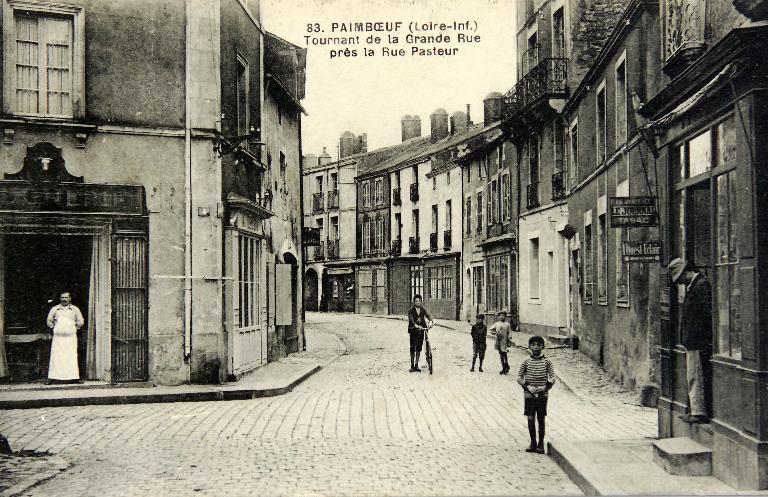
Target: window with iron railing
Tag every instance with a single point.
(333, 249)
(558, 185)
(396, 247)
(433, 242)
(317, 202)
(414, 192)
(320, 252)
(333, 199)
(396, 197)
(447, 239)
(532, 197)
(413, 245)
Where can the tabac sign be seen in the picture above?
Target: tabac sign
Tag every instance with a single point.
(641, 251)
(633, 212)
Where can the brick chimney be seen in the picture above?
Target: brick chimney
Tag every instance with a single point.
(324, 158)
(492, 108)
(459, 122)
(439, 124)
(410, 126)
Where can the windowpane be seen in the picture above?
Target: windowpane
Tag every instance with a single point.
(727, 151)
(588, 257)
(574, 156)
(621, 104)
(700, 154)
(600, 132)
(602, 249)
(534, 267)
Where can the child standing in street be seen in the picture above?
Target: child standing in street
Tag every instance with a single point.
(479, 332)
(536, 376)
(502, 330)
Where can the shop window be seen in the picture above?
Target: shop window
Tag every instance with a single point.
(498, 282)
(440, 283)
(602, 260)
(700, 154)
(533, 268)
(417, 285)
(727, 294)
(46, 76)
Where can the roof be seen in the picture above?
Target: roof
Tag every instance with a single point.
(424, 149)
(287, 63)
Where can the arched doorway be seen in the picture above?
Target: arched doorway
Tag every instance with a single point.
(310, 290)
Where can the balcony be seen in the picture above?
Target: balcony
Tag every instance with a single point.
(447, 239)
(333, 249)
(333, 199)
(415, 192)
(396, 197)
(532, 197)
(395, 247)
(433, 242)
(319, 254)
(495, 229)
(558, 186)
(548, 79)
(413, 245)
(317, 202)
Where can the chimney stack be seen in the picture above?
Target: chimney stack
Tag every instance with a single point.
(458, 122)
(310, 161)
(350, 144)
(492, 107)
(324, 158)
(410, 126)
(439, 124)
(469, 119)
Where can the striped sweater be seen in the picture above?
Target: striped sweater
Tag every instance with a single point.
(536, 372)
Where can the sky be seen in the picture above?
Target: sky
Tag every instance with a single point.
(370, 94)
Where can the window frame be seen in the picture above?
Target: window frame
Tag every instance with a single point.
(241, 61)
(621, 140)
(600, 141)
(77, 91)
(573, 153)
(534, 268)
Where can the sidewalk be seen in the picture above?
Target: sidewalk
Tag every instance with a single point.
(274, 378)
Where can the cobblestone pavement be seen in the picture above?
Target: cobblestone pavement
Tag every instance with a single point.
(361, 426)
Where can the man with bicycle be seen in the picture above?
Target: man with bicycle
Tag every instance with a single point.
(418, 319)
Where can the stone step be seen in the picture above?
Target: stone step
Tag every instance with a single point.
(559, 340)
(683, 456)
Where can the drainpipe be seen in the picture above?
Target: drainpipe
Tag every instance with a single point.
(187, 205)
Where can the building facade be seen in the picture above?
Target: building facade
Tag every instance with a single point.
(147, 194)
(709, 123)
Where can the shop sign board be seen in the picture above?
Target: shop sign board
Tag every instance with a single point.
(633, 212)
(641, 251)
(310, 237)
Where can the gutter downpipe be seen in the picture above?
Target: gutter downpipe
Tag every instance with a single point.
(187, 204)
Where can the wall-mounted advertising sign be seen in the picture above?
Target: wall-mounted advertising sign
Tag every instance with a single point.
(310, 237)
(633, 212)
(641, 251)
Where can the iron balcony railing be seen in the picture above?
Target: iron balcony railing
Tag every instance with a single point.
(333, 199)
(558, 185)
(414, 192)
(333, 249)
(317, 202)
(433, 242)
(395, 247)
(413, 245)
(549, 79)
(532, 197)
(320, 252)
(396, 197)
(447, 239)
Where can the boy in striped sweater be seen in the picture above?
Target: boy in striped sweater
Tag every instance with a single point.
(536, 375)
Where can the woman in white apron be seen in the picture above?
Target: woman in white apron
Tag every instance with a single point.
(64, 319)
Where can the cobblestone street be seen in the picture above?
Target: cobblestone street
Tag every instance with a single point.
(361, 426)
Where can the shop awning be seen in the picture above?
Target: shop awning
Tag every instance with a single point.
(721, 78)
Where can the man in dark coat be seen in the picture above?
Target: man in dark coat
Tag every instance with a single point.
(695, 334)
(417, 321)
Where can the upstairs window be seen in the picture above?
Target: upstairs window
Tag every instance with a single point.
(44, 69)
(242, 97)
(600, 131)
(621, 103)
(558, 34)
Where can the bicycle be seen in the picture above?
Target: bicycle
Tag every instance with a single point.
(427, 347)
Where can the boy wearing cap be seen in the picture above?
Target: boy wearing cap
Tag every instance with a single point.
(502, 330)
(536, 375)
(478, 332)
(695, 335)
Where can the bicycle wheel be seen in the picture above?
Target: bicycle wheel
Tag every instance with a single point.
(429, 356)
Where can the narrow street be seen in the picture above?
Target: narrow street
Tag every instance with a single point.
(363, 425)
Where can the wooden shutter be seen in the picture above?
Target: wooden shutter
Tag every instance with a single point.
(283, 295)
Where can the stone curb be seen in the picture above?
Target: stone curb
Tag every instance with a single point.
(36, 479)
(564, 458)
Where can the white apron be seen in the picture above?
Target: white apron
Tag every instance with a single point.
(63, 365)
